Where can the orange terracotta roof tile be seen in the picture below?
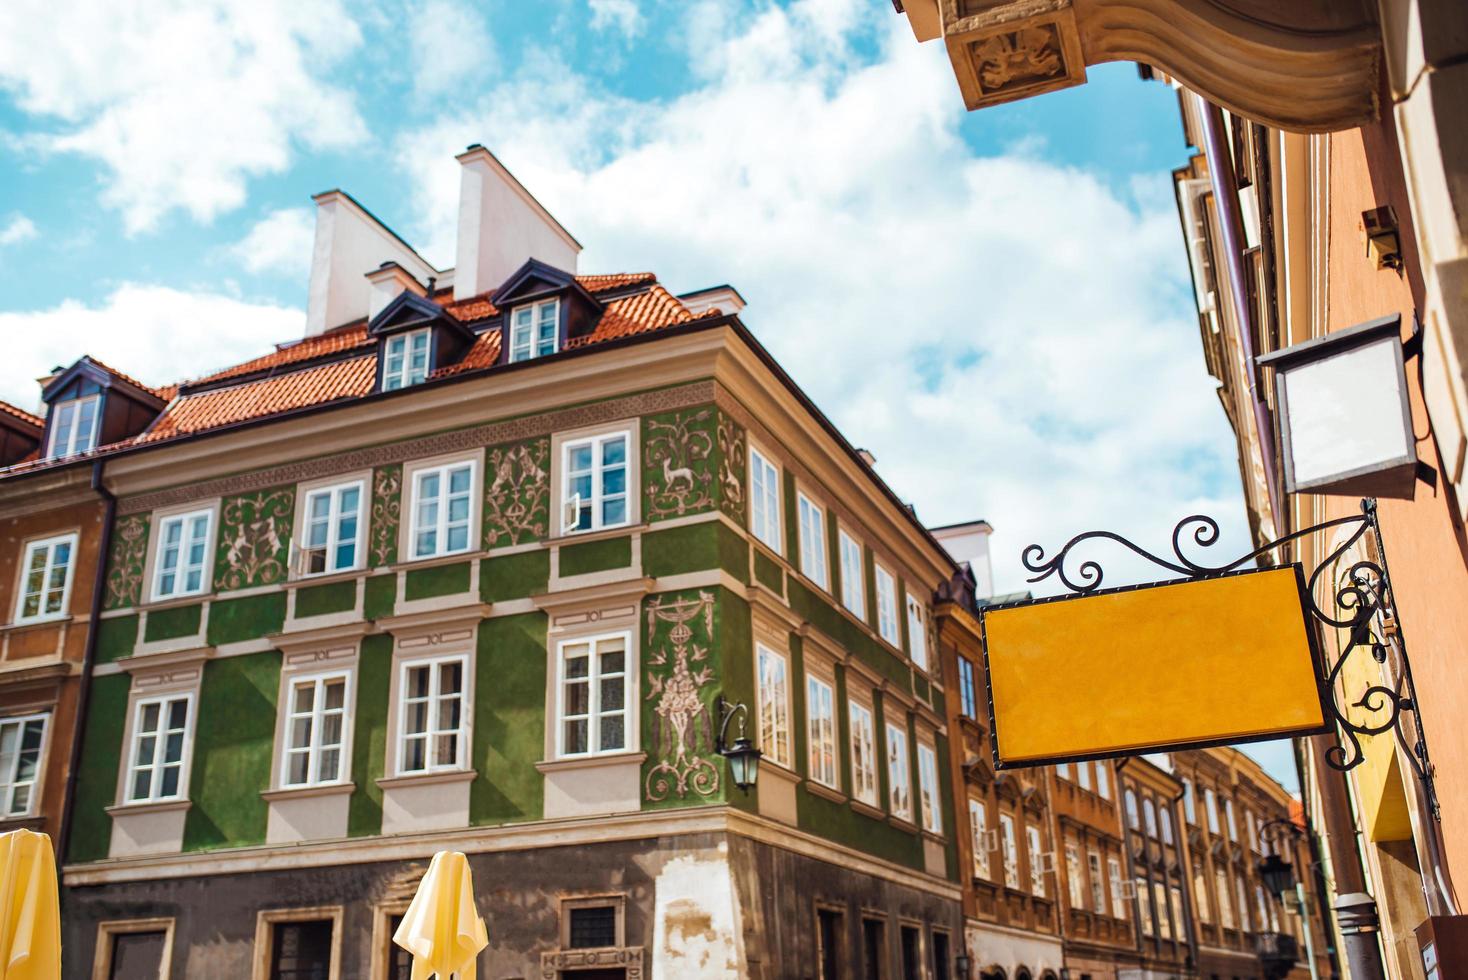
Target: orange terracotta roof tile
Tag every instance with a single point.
(484, 353)
(334, 341)
(471, 310)
(617, 280)
(267, 396)
(21, 415)
(640, 313)
(128, 378)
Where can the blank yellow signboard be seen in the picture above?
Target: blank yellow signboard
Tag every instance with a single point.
(1199, 662)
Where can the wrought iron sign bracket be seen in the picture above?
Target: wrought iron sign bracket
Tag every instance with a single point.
(1362, 605)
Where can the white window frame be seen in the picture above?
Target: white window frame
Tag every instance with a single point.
(887, 626)
(594, 713)
(317, 715)
(1210, 800)
(929, 798)
(812, 527)
(405, 376)
(1073, 875)
(441, 525)
(865, 784)
(820, 705)
(978, 823)
(571, 504)
(464, 743)
(917, 632)
(899, 775)
(73, 445)
(853, 578)
(765, 520)
(1037, 859)
(156, 767)
(1083, 775)
(532, 345)
(1164, 911)
(781, 751)
(9, 781)
(1103, 779)
(334, 539)
(22, 592)
(1098, 886)
(1010, 844)
(186, 520)
(1113, 875)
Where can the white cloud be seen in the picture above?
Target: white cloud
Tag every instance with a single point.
(157, 334)
(451, 45)
(622, 15)
(281, 242)
(18, 229)
(1011, 338)
(181, 103)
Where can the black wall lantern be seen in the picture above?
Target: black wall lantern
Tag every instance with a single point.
(1278, 875)
(743, 757)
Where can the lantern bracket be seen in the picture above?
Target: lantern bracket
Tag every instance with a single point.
(1362, 606)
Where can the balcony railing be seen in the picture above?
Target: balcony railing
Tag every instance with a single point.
(1278, 952)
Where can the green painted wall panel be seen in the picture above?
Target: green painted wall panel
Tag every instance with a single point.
(369, 736)
(517, 576)
(236, 620)
(695, 548)
(232, 751)
(116, 638)
(825, 616)
(254, 539)
(168, 624)
(509, 720)
(321, 600)
(429, 583)
(595, 556)
(381, 596)
(96, 788)
(735, 633)
(768, 572)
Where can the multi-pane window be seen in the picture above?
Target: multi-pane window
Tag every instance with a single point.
(1073, 876)
(1149, 813)
(316, 731)
(1200, 895)
(812, 541)
(887, 606)
(1228, 813)
(535, 330)
(1164, 922)
(853, 583)
(1210, 804)
(594, 695)
(155, 765)
(820, 710)
(183, 554)
(431, 716)
(978, 825)
(1113, 874)
(1011, 850)
(917, 631)
(1166, 816)
(20, 763)
(301, 950)
(928, 789)
(1132, 819)
(863, 754)
(774, 706)
(1225, 903)
(764, 500)
(45, 584)
(1098, 886)
(1083, 774)
(331, 541)
(592, 927)
(1037, 861)
(1144, 906)
(442, 509)
(594, 491)
(1103, 779)
(899, 781)
(967, 693)
(406, 359)
(1190, 805)
(74, 426)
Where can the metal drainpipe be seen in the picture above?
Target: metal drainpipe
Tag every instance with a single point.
(89, 658)
(1225, 197)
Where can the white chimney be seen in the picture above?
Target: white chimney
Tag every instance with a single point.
(350, 242)
(725, 299)
(387, 283)
(501, 226)
(970, 542)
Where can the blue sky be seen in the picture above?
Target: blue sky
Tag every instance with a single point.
(995, 303)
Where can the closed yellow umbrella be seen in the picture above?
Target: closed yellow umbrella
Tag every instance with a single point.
(30, 919)
(442, 928)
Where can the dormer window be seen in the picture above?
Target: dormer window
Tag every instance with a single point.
(406, 359)
(74, 426)
(535, 329)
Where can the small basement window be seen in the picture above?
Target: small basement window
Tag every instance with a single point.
(594, 927)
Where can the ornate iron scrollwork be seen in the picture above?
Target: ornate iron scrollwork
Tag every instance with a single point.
(1362, 606)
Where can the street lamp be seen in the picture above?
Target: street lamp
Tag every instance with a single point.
(1278, 875)
(1345, 421)
(961, 964)
(743, 757)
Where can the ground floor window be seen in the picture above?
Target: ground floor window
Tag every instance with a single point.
(136, 949)
(399, 960)
(873, 949)
(941, 955)
(828, 934)
(301, 950)
(912, 954)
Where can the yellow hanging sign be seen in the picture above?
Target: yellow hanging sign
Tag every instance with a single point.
(1206, 661)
